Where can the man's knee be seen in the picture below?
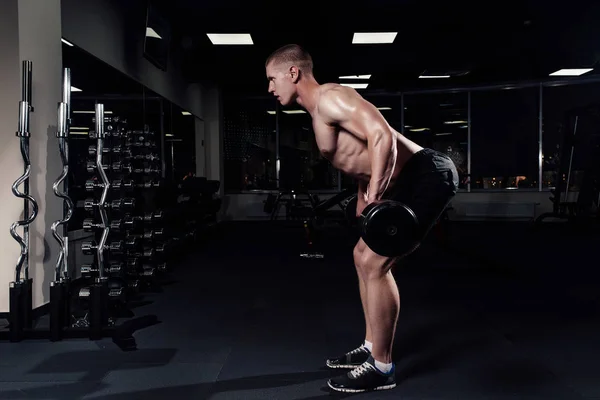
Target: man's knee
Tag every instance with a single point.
(370, 264)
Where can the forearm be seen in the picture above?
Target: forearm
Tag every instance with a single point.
(361, 203)
(382, 154)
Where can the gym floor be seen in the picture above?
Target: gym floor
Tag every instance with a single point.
(495, 312)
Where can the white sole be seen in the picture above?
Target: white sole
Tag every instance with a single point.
(345, 390)
(345, 366)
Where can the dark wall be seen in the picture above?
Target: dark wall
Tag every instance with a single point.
(114, 31)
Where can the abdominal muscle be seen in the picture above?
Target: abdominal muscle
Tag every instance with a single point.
(352, 156)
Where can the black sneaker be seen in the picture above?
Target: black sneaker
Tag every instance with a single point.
(351, 359)
(364, 378)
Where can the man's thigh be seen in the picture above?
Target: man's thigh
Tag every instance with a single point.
(429, 191)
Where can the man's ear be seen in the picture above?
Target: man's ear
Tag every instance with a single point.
(294, 73)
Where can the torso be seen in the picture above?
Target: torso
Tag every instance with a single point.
(349, 152)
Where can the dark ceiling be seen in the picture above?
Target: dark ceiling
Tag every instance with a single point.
(495, 42)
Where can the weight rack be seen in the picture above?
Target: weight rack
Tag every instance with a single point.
(96, 292)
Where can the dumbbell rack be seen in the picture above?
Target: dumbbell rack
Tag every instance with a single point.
(123, 168)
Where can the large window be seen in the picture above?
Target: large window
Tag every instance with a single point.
(249, 140)
(560, 105)
(493, 137)
(439, 121)
(505, 139)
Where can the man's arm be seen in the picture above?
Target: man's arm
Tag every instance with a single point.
(361, 203)
(345, 108)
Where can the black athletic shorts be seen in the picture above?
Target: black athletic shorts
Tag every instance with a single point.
(427, 183)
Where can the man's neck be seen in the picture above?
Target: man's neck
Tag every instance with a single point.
(308, 94)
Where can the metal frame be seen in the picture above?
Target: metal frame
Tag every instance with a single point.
(469, 142)
(277, 160)
(402, 111)
(541, 139)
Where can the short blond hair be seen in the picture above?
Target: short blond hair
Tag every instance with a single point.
(293, 54)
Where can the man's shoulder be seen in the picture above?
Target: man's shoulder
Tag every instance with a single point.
(335, 99)
(332, 95)
(328, 103)
(328, 90)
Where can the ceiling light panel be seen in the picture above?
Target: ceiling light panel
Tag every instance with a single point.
(356, 77)
(151, 33)
(434, 76)
(230, 38)
(356, 85)
(571, 72)
(374, 37)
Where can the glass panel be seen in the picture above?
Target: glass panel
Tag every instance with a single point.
(94, 82)
(439, 121)
(557, 102)
(249, 140)
(504, 139)
(302, 166)
(180, 143)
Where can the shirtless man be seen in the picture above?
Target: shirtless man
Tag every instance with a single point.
(353, 135)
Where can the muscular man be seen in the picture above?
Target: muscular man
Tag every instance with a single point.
(353, 135)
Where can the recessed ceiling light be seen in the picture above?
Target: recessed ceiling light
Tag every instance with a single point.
(356, 85)
(373, 37)
(571, 72)
(90, 112)
(230, 38)
(384, 108)
(434, 76)
(74, 89)
(356, 77)
(419, 129)
(186, 113)
(273, 112)
(66, 42)
(454, 122)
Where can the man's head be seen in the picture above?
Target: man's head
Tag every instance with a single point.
(286, 67)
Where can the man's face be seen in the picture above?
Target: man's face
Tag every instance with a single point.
(282, 83)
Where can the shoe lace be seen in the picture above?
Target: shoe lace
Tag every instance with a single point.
(357, 350)
(361, 370)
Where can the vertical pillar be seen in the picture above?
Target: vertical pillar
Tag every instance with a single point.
(213, 137)
(200, 147)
